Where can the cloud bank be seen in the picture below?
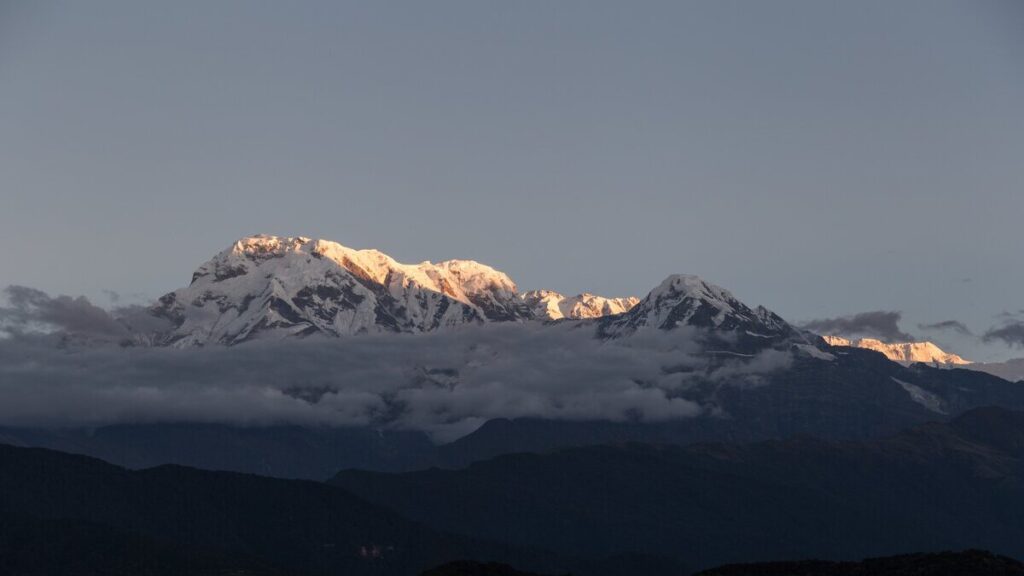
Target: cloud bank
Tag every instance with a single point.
(81, 373)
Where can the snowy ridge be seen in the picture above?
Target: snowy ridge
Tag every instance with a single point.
(551, 305)
(270, 286)
(904, 352)
(280, 287)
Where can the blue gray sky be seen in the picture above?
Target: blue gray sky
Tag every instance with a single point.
(821, 158)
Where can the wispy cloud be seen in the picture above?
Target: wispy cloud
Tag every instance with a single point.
(880, 324)
(953, 325)
(1011, 333)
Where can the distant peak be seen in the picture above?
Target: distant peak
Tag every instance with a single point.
(689, 300)
(551, 305)
(906, 352)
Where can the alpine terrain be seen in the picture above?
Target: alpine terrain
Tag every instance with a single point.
(269, 286)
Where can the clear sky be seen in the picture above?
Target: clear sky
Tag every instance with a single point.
(821, 158)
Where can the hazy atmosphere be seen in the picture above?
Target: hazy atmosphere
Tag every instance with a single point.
(822, 159)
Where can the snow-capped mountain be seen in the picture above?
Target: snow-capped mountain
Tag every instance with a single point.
(554, 306)
(904, 352)
(269, 286)
(686, 300)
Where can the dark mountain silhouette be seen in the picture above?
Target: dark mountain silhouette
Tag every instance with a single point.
(73, 512)
(967, 563)
(467, 568)
(935, 487)
(35, 547)
(627, 509)
(314, 453)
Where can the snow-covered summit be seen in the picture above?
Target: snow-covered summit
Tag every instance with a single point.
(904, 352)
(687, 300)
(460, 279)
(271, 286)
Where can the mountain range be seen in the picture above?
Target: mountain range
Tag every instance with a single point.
(908, 353)
(619, 509)
(932, 487)
(687, 363)
(273, 287)
(280, 287)
(285, 287)
(277, 287)
(175, 520)
(305, 408)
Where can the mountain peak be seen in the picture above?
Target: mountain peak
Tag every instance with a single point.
(681, 286)
(904, 352)
(688, 300)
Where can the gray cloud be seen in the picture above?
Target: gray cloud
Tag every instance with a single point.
(880, 324)
(445, 383)
(1010, 333)
(30, 310)
(119, 299)
(954, 325)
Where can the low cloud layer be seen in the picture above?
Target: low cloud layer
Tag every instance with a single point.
(951, 325)
(883, 325)
(445, 383)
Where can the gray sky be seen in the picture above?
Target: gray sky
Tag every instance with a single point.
(820, 158)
